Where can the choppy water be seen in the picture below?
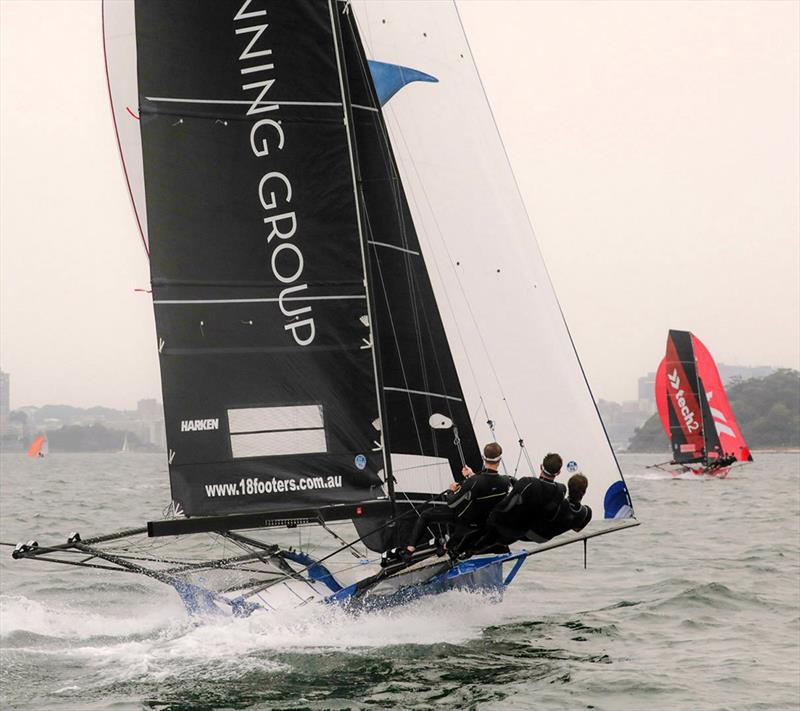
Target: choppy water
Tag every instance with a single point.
(697, 608)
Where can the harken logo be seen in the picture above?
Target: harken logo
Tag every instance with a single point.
(686, 413)
(200, 425)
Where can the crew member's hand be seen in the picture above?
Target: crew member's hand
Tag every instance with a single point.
(455, 486)
(467, 472)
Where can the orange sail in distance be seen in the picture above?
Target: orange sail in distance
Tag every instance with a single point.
(36, 447)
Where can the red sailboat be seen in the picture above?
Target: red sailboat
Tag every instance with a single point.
(38, 447)
(695, 412)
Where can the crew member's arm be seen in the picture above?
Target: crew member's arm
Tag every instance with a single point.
(460, 493)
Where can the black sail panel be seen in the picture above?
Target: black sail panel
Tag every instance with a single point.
(258, 280)
(684, 400)
(419, 374)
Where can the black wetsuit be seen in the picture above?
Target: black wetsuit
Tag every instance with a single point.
(532, 510)
(570, 517)
(468, 506)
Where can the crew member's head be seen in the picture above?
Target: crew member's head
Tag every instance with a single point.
(577, 487)
(492, 454)
(551, 467)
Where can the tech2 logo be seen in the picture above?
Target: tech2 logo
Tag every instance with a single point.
(688, 416)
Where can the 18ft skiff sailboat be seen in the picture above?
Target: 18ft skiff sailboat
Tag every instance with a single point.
(695, 412)
(347, 290)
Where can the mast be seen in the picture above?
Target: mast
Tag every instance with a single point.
(347, 108)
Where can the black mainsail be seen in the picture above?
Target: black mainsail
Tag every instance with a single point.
(298, 332)
(258, 280)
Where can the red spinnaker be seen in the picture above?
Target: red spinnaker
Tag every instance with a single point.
(661, 395)
(730, 436)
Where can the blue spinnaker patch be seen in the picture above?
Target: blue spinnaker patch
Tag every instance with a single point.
(617, 502)
(390, 78)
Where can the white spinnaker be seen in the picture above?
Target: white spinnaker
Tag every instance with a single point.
(119, 42)
(514, 355)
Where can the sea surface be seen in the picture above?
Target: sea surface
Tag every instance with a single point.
(697, 608)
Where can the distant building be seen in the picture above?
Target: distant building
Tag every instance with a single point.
(151, 413)
(5, 401)
(647, 393)
(150, 410)
(647, 387)
(622, 419)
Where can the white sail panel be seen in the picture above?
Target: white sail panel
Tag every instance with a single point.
(421, 474)
(260, 419)
(119, 44)
(514, 354)
(274, 444)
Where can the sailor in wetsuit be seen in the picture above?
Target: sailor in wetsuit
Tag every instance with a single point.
(572, 515)
(468, 502)
(537, 510)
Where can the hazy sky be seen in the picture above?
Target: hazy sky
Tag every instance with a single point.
(656, 145)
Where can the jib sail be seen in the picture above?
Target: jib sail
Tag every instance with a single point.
(728, 439)
(518, 368)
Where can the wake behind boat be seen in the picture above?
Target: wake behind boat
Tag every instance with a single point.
(345, 282)
(695, 412)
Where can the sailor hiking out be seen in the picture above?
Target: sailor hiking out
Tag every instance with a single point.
(539, 509)
(468, 505)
